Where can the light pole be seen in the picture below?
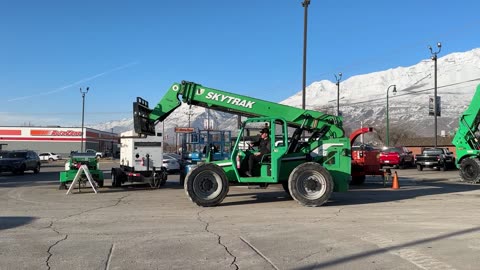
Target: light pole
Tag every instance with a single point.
(434, 58)
(388, 120)
(304, 82)
(189, 113)
(338, 79)
(83, 114)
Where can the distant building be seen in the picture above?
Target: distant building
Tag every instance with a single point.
(60, 140)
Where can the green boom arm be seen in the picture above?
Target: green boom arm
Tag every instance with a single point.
(198, 95)
(465, 139)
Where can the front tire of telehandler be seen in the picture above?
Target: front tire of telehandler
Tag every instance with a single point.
(470, 170)
(310, 184)
(206, 185)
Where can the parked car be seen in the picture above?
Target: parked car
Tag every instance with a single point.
(49, 156)
(439, 158)
(171, 162)
(3, 153)
(18, 162)
(397, 157)
(97, 153)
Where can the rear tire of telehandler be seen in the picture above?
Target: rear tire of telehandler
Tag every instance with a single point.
(206, 185)
(310, 184)
(470, 170)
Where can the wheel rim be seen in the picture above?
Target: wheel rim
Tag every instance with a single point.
(311, 185)
(207, 185)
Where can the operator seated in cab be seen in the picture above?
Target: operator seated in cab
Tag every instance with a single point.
(264, 147)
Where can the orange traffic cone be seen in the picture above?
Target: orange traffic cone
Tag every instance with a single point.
(395, 184)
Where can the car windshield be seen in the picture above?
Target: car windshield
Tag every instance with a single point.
(17, 154)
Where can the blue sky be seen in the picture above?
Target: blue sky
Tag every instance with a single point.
(124, 49)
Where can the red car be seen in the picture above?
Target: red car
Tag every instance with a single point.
(398, 157)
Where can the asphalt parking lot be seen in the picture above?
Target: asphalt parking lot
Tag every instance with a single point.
(431, 222)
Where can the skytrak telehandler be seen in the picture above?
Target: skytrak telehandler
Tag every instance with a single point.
(466, 141)
(308, 169)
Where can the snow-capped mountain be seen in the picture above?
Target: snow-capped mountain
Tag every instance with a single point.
(363, 99)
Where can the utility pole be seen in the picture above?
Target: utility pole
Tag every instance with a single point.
(189, 113)
(305, 4)
(338, 79)
(388, 120)
(435, 104)
(83, 114)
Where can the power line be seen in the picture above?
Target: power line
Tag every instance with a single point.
(405, 94)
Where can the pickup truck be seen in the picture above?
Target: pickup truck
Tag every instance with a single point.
(397, 157)
(439, 158)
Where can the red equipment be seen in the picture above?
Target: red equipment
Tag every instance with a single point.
(364, 159)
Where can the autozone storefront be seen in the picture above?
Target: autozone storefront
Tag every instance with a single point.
(57, 139)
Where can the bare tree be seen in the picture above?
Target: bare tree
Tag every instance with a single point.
(397, 134)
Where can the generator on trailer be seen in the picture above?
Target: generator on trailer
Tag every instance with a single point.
(467, 143)
(141, 160)
(73, 164)
(308, 177)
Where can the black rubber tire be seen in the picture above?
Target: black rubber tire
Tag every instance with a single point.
(100, 183)
(163, 182)
(116, 181)
(402, 165)
(36, 169)
(358, 180)
(62, 186)
(310, 184)
(443, 167)
(419, 167)
(470, 170)
(285, 187)
(21, 170)
(206, 185)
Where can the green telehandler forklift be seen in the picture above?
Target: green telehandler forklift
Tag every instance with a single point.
(310, 155)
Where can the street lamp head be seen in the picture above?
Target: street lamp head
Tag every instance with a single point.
(338, 78)
(394, 89)
(84, 92)
(434, 54)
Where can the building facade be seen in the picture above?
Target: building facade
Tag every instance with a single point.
(60, 140)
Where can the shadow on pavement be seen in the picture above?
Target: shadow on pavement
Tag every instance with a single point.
(377, 193)
(29, 179)
(12, 222)
(378, 251)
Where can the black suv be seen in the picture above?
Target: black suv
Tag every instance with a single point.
(18, 162)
